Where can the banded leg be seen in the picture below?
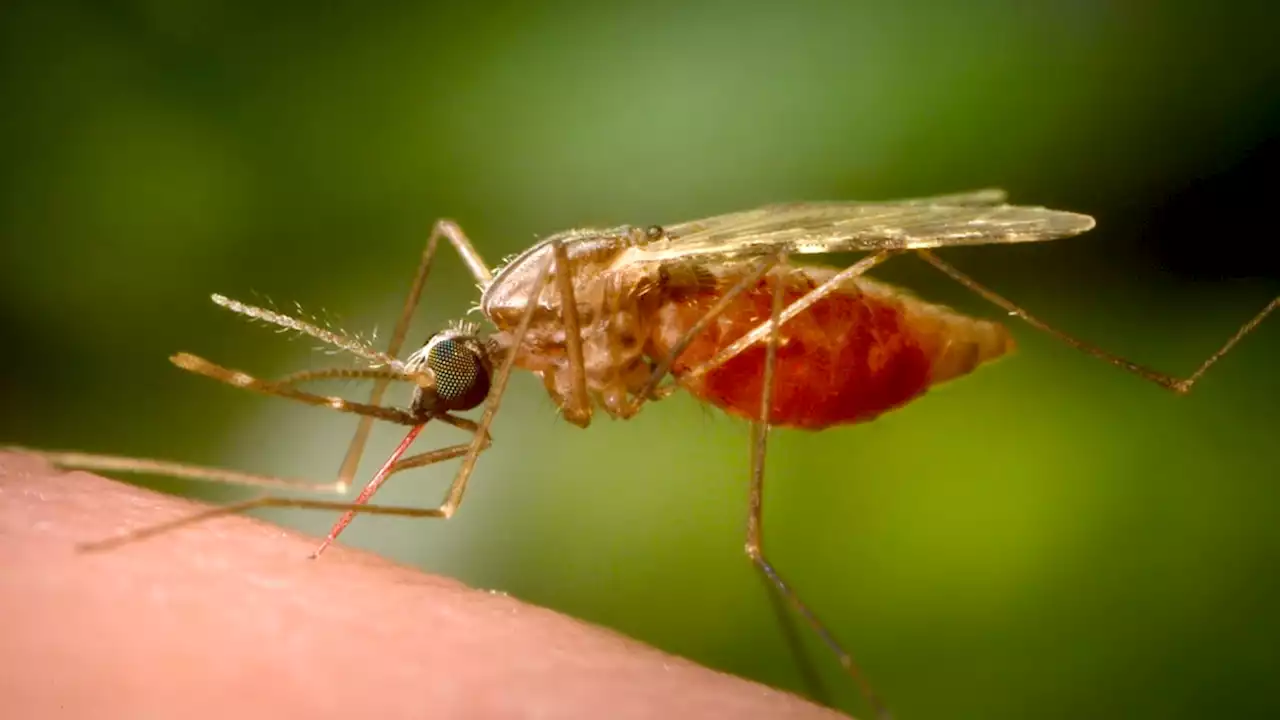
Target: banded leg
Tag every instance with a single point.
(755, 505)
(1181, 386)
(237, 378)
(415, 461)
(769, 330)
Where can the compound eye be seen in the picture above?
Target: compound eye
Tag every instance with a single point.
(461, 368)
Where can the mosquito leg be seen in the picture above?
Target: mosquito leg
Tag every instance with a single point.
(427, 458)
(471, 258)
(369, 489)
(200, 366)
(237, 378)
(116, 463)
(759, 332)
(481, 439)
(657, 393)
(578, 409)
(394, 465)
(1181, 386)
(755, 508)
(143, 466)
(650, 391)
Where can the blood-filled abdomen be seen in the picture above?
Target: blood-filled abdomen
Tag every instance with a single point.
(860, 351)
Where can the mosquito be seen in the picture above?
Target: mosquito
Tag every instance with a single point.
(611, 319)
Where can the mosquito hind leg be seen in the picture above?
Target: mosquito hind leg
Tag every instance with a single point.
(415, 461)
(1181, 386)
(475, 264)
(755, 510)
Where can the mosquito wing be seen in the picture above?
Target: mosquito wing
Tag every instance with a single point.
(986, 196)
(976, 218)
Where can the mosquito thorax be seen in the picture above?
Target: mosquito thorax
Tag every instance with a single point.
(590, 251)
(456, 367)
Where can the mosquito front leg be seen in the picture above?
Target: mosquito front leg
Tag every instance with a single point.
(164, 468)
(459, 486)
(415, 461)
(240, 379)
(755, 509)
(471, 258)
(1169, 382)
(394, 465)
(578, 408)
(200, 366)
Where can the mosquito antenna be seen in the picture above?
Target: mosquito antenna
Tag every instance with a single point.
(339, 340)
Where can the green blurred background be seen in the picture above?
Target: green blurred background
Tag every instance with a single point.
(1048, 538)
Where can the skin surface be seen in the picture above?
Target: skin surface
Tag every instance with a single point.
(229, 619)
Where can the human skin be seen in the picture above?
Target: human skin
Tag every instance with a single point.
(228, 619)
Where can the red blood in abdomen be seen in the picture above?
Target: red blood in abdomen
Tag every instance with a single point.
(847, 359)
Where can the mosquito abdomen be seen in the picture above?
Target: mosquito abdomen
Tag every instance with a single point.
(955, 343)
(865, 349)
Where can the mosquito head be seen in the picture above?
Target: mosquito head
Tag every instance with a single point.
(456, 366)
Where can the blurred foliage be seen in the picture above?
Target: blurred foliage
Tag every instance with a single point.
(1048, 538)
